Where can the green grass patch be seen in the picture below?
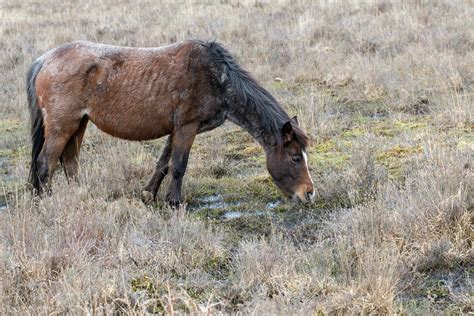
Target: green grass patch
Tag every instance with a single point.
(395, 160)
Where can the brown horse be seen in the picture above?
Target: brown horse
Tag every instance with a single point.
(178, 90)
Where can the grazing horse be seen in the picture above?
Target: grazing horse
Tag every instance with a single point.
(137, 94)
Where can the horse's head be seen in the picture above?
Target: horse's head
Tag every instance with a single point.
(287, 163)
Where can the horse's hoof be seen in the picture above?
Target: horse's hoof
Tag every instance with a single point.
(147, 197)
(173, 203)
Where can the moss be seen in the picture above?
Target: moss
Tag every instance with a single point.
(237, 136)
(437, 292)
(470, 270)
(14, 155)
(262, 188)
(12, 151)
(465, 142)
(206, 186)
(384, 129)
(222, 169)
(207, 213)
(143, 283)
(282, 208)
(218, 267)
(253, 150)
(11, 155)
(234, 152)
(231, 189)
(320, 312)
(324, 147)
(327, 155)
(249, 225)
(241, 146)
(296, 88)
(10, 125)
(415, 307)
(354, 132)
(372, 108)
(381, 128)
(146, 284)
(398, 152)
(197, 293)
(394, 160)
(322, 161)
(211, 197)
(410, 124)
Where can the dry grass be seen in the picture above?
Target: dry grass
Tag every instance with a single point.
(385, 90)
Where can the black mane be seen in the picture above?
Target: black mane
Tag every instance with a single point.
(251, 94)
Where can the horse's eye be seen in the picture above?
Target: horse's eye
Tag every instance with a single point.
(296, 158)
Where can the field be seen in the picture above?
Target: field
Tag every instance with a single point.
(383, 88)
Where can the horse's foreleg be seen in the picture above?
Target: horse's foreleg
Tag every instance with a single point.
(161, 170)
(181, 143)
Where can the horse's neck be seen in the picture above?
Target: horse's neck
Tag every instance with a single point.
(252, 123)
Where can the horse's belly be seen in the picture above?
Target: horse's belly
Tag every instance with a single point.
(132, 127)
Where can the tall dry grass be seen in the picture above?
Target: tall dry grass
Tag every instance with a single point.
(383, 88)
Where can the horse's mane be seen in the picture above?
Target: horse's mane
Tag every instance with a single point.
(252, 95)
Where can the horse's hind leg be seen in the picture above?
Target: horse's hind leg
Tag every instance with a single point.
(70, 155)
(49, 158)
(56, 138)
(161, 170)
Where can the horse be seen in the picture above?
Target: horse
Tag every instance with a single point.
(179, 91)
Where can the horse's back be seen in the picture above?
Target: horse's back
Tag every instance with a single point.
(75, 56)
(125, 91)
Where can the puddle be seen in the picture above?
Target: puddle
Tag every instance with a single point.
(237, 214)
(272, 205)
(211, 198)
(3, 206)
(215, 202)
(232, 215)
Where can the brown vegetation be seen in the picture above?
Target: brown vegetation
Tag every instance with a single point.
(383, 88)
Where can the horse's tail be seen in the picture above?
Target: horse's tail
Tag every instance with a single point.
(241, 86)
(37, 128)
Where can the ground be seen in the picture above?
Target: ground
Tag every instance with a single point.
(383, 89)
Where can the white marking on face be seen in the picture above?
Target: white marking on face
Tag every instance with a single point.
(305, 158)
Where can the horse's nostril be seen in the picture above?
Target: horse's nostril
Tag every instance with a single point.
(309, 195)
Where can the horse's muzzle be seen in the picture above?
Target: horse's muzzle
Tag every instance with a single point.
(302, 196)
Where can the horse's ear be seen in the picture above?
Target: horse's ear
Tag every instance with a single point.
(287, 132)
(295, 119)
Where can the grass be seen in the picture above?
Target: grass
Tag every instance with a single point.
(384, 89)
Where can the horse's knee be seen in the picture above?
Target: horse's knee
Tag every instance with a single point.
(178, 172)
